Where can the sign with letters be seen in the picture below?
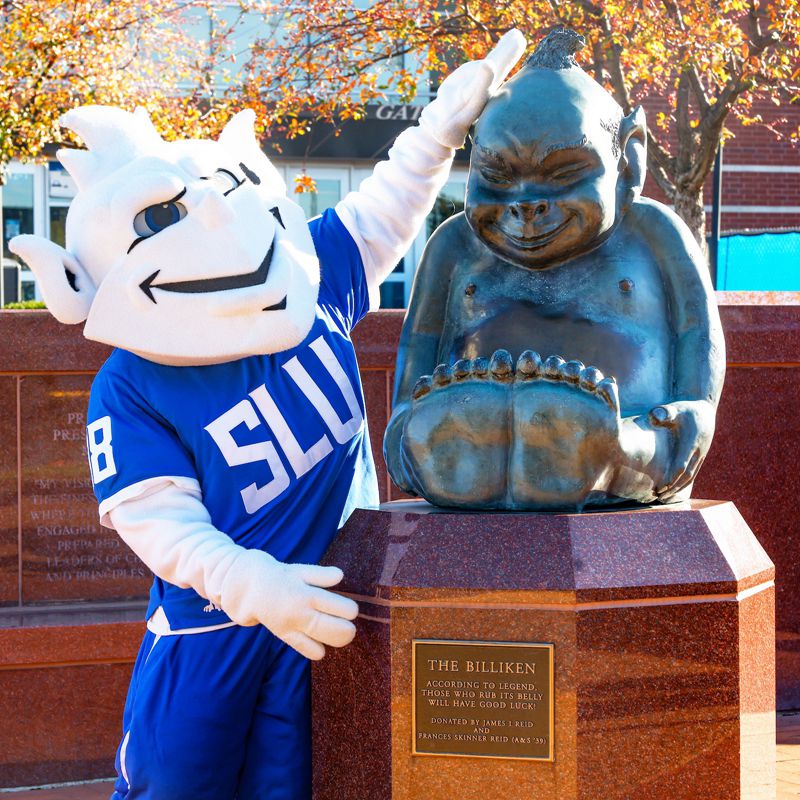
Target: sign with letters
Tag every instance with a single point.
(403, 112)
(483, 699)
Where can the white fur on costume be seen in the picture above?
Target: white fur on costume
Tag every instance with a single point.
(165, 296)
(170, 530)
(191, 253)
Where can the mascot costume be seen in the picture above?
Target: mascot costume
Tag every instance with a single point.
(226, 433)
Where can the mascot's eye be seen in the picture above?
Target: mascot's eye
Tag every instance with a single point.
(225, 181)
(155, 218)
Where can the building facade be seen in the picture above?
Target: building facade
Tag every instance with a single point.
(760, 189)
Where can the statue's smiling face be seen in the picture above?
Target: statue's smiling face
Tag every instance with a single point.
(544, 175)
(197, 254)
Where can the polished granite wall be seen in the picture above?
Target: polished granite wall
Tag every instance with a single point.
(70, 586)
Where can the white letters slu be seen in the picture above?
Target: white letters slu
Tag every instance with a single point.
(301, 461)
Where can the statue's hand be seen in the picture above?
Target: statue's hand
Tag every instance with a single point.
(691, 427)
(464, 93)
(392, 448)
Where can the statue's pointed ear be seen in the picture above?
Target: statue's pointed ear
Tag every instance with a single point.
(66, 287)
(633, 143)
(239, 138)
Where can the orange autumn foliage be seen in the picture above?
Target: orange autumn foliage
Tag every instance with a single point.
(326, 59)
(303, 183)
(708, 59)
(55, 55)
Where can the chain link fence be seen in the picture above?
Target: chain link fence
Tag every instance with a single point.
(759, 261)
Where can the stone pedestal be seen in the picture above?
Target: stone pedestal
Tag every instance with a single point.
(662, 622)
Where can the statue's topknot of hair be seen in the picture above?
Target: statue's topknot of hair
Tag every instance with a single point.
(557, 49)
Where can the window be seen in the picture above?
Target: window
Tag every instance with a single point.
(17, 207)
(393, 294)
(328, 194)
(20, 194)
(58, 221)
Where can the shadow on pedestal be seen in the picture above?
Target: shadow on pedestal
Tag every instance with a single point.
(663, 625)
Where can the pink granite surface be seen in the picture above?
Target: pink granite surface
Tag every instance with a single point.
(9, 533)
(659, 619)
(37, 747)
(751, 461)
(66, 554)
(61, 694)
(695, 548)
(359, 711)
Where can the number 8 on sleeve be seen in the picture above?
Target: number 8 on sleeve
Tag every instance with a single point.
(100, 448)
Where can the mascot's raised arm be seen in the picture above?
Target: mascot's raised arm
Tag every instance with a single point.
(226, 432)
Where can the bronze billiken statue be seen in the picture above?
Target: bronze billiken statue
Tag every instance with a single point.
(556, 253)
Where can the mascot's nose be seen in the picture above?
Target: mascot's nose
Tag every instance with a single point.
(212, 209)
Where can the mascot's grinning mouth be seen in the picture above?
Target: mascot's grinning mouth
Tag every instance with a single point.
(222, 284)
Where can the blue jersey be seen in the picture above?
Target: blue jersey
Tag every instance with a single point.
(277, 444)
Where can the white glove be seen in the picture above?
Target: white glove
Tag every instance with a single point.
(465, 92)
(170, 530)
(286, 598)
(390, 206)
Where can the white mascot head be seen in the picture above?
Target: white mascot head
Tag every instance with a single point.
(184, 252)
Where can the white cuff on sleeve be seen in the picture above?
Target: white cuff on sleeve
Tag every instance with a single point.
(142, 489)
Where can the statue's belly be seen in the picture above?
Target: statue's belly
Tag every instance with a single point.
(636, 351)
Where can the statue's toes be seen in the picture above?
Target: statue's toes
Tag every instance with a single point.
(422, 387)
(571, 372)
(480, 368)
(501, 366)
(609, 391)
(462, 369)
(589, 378)
(529, 366)
(552, 368)
(442, 376)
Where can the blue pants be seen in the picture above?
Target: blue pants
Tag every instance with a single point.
(216, 716)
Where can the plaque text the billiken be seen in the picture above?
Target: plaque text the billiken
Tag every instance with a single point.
(483, 699)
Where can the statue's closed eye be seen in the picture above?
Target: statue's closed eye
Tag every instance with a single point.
(567, 172)
(494, 175)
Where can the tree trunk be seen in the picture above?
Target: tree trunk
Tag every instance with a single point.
(689, 207)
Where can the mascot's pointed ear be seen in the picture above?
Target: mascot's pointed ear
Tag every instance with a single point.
(66, 287)
(239, 139)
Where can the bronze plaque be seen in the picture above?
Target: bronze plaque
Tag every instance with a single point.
(482, 699)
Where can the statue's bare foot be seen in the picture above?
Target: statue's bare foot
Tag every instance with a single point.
(565, 433)
(457, 435)
(485, 434)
